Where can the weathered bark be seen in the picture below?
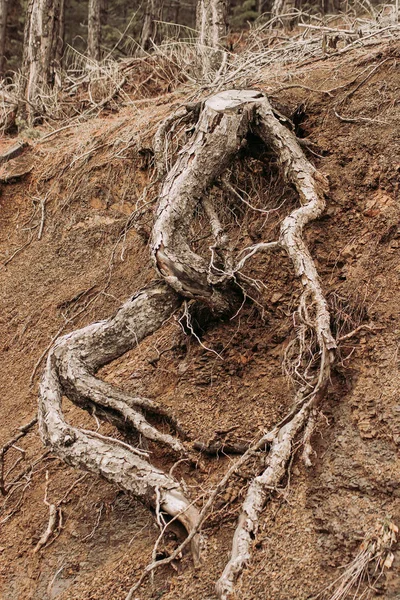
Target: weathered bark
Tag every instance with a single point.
(94, 29)
(211, 25)
(76, 357)
(61, 35)
(188, 114)
(40, 52)
(3, 29)
(277, 8)
(311, 187)
(286, 9)
(257, 494)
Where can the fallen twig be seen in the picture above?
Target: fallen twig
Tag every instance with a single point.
(347, 336)
(23, 430)
(52, 519)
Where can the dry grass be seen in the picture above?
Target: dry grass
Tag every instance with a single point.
(348, 312)
(85, 88)
(361, 575)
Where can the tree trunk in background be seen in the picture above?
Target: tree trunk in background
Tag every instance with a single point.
(61, 35)
(177, 11)
(211, 22)
(148, 29)
(94, 29)
(41, 41)
(3, 27)
(277, 8)
(211, 25)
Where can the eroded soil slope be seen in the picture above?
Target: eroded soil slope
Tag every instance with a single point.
(92, 254)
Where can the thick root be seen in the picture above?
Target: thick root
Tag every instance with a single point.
(83, 352)
(223, 126)
(75, 357)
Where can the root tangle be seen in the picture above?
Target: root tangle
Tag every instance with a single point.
(221, 131)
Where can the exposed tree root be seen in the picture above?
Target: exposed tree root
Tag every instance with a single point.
(258, 492)
(52, 519)
(310, 186)
(86, 351)
(221, 131)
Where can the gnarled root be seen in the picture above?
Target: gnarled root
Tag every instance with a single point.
(83, 352)
(69, 369)
(257, 494)
(221, 131)
(310, 186)
(75, 358)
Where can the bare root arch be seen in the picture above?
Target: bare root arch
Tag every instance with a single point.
(223, 125)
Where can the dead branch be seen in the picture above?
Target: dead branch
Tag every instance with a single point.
(26, 471)
(345, 119)
(52, 519)
(351, 334)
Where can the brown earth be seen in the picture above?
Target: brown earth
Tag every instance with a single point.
(89, 259)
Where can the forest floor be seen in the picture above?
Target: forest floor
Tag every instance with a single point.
(86, 181)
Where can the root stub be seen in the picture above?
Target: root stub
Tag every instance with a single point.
(221, 131)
